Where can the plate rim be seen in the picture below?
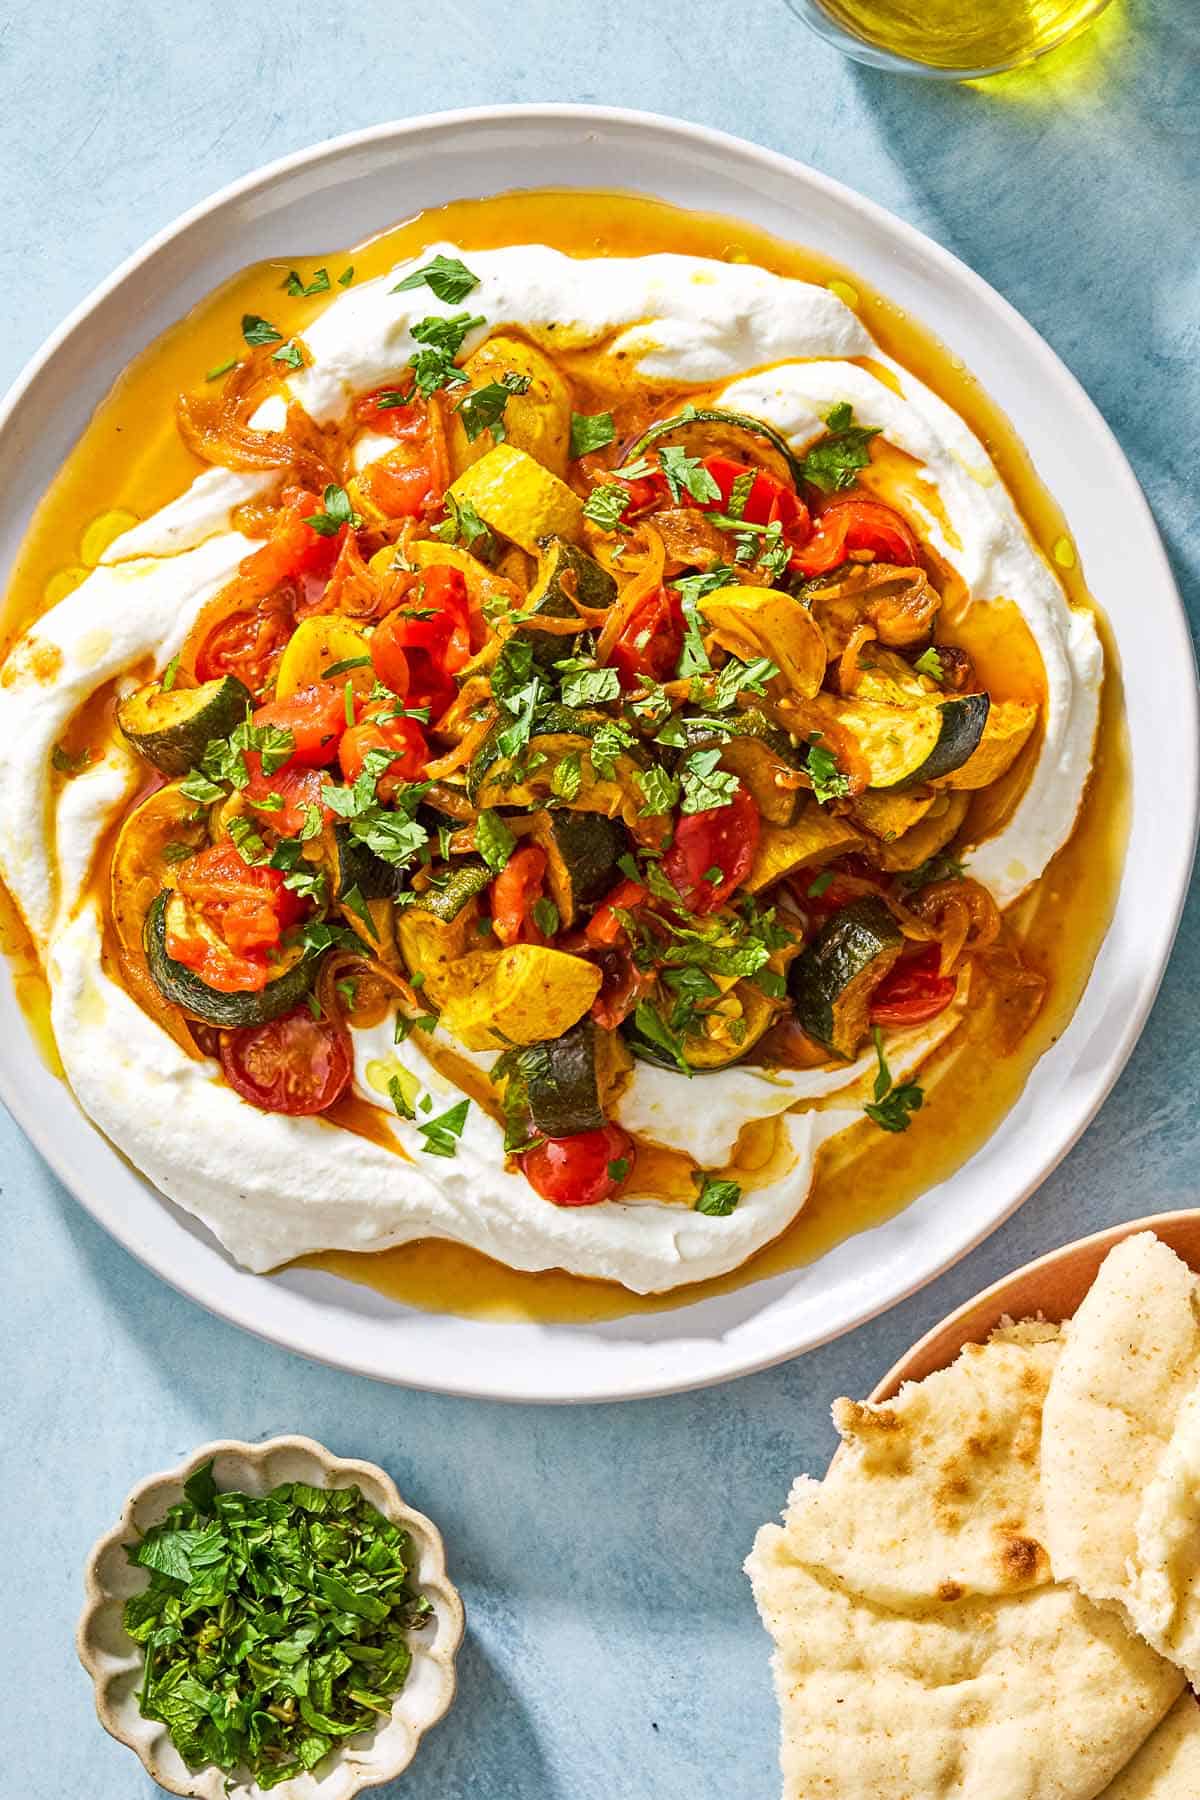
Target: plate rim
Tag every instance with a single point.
(480, 1385)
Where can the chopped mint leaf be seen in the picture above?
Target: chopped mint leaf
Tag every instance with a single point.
(717, 1197)
(493, 840)
(257, 330)
(445, 277)
(590, 431)
(336, 512)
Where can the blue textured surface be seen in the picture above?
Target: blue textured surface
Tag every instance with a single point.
(613, 1645)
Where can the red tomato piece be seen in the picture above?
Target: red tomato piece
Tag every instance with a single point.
(401, 484)
(246, 643)
(604, 927)
(913, 990)
(720, 838)
(294, 548)
(651, 641)
(575, 1171)
(316, 718)
(248, 909)
(295, 1064)
(857, 524)
(298, 789)
(403, 738)
(514, 894)
(769, 499)
(435, 617)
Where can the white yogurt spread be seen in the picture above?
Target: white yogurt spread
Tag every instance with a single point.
(273, 1187)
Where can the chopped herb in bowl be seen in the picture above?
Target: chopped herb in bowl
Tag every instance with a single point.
(273, 1627)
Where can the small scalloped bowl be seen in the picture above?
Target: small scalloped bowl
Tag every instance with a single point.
(114, 1662)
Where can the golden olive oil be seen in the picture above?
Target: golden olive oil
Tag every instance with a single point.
(963, 35)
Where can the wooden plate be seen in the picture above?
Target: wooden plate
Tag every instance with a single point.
(1053, 1287)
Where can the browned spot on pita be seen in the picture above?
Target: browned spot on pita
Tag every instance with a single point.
(1021, 1558)
(851, 1417)
(950, 1590)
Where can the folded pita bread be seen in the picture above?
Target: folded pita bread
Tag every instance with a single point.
(923, 1650)
(1167, 1767)
(1163, 1603)
(1130, 1357)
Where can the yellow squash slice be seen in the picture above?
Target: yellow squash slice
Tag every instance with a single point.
(518, 498)
(522, 995)
(750, 621)
(319, 644)
(537, 421)
(815, 837)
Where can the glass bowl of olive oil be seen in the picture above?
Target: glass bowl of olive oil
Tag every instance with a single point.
(953, 39)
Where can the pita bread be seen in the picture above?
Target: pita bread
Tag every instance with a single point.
(936, 1493)
(1167, 1767)
(919, 1656)
(1164, 1601)
(1130, 1357)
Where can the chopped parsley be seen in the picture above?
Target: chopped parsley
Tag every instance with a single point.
(463, 525)
(820, 884)
(354, 900)
(649, 1022)
(219, 369)
(257, 330)
(660, 790)
(686, 474)
(170, 675)
(69, 762)
(396, 1086)
(446, 277)
(336, 512)
(442, 1134)
(591, 431)
(827, 779)
(717, 1197)
(545, 916)
(296, 287)
(274, 1626)
(442, 336)
(833, 463)
(892, 1107)
(291, 354)
(930, 663)
(945, 866)
(483, 408)
(346, 276)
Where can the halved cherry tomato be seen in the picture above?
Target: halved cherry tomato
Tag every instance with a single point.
(316, 718)
(247, 909)
(768, 501)
(402, 737)
(622, 985)
(574, 1171)
(651, 641)
(298, 789)
(294, 1064)
(435, 616)
(604, 927)
(857, 524)
(515, 892)
(721, 839)
(913, 991)
(246, 643)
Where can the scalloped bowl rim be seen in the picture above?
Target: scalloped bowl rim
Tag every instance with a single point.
(365, 180)
(344, 1777)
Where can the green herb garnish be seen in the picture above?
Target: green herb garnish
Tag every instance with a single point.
(296, 288)
(591, 431)
(273, 1627)
(446, 277)
(493, 840)
(717, 1197)
(442, 1134)
(337, 511)
(483, 408)
(893, 1107)
(257, 330)
(834, 462)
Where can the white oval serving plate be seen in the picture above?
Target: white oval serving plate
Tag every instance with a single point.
(345, 190)
(115, 1662)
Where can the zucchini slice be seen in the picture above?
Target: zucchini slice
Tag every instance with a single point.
(1008, 729)
(359, 867)
(172, 729)
(758, 752)
(834, 977)
(559, 732)
(716, 415)
(815, 837)
(184, 988)
(907, 746)
(733, 1027)
(518, 498)
(446, 899)
(581, 857)
(567, 574)
(562, 1091)
(433, 947)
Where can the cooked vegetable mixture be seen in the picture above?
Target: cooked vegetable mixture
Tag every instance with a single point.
(589, 722)
(272, 1627)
